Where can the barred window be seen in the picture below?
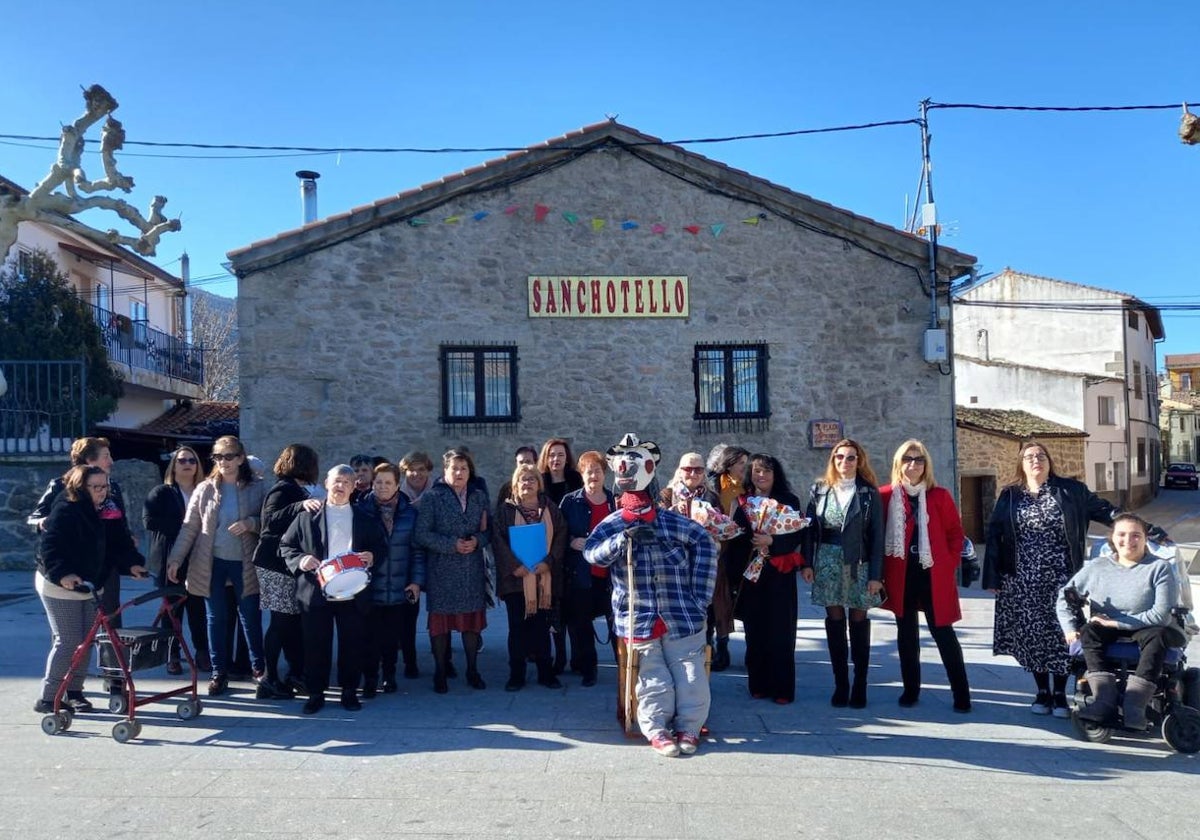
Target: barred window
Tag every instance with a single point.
(479, 384)
(731, 381)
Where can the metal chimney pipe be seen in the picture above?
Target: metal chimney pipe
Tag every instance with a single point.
(185, 273)
(308, 194)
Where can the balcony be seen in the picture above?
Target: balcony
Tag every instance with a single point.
(141, 347)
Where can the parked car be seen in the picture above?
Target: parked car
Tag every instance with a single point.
(1181, 475)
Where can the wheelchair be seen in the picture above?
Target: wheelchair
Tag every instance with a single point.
(1174, 708)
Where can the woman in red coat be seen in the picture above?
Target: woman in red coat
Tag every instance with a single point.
(923, 539)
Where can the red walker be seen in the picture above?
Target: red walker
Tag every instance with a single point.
(124, 651)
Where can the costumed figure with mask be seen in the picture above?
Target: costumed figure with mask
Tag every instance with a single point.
(663, 571)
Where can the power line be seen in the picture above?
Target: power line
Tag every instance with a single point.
(1060, 108)
(1075, 306)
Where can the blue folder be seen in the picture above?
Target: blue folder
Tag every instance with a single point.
(528, 543)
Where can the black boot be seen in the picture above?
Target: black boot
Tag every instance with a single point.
(441, 650)
(956, 670)
(860, 654)
(908, 650)
(835, 638)
(720, 659)
(471, 650)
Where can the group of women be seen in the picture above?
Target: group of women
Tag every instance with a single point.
(237, 545)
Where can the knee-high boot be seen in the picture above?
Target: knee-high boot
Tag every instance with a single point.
(441, 651)
(860, 654)
(835, 638)
(471, 649)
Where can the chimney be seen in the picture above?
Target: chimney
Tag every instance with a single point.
(308, 193)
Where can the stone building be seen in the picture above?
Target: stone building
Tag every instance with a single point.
(599, 283)
(1180, 402)
(988, 444)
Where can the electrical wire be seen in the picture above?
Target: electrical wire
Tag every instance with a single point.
(1059, 108)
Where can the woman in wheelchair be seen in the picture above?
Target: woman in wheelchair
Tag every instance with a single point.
(1130, 594)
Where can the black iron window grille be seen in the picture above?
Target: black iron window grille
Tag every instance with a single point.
(479, 384)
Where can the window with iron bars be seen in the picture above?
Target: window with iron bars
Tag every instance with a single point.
(731, 381)
(479, 383)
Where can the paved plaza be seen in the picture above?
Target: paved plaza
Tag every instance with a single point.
(545, 763)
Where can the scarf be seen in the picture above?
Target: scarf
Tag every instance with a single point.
(536, 588)
(636, 505)
(895, 545)
(387, 511)
(682, 497)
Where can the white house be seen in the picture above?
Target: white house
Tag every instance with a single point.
(1078, 355)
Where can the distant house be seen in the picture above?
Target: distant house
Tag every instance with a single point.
(139, 307)
(988, 444)
(1077, 355)
(1180, 420)
(599, 283)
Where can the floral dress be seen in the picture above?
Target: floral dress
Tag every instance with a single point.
(833, 585)
(1026, 626)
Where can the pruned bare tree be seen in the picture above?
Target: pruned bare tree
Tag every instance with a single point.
(45, 203)
(214, 328)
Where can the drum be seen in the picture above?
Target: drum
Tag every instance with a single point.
(342, 577)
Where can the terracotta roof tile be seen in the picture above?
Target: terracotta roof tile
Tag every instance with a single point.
(1018, 424)
(195, 419)
(1182, 360)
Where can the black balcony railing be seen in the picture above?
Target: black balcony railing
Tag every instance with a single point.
(137, 344)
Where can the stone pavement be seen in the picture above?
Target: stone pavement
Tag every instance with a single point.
(548, 764)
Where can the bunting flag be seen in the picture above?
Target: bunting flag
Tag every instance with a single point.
(540, 212)
(452, 220)
(629, 224)
(417, 222)
(658, 228)
(716, 229)
(571, 218)
(753, 220)
(692, 229)
(481, 215)
(511, 209)
(598, 225)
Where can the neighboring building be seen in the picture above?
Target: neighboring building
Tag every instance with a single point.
(1183, 373)
(139, 307)
(1180, 420)
(988, 446)
(1077, 355)
(596, 284)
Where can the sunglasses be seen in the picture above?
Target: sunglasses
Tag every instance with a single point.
(912, 459)
(186, 460)
(693, 469)
(850, 457)
(226, 456)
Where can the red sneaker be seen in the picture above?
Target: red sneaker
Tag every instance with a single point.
(689, 743)
(664, 745)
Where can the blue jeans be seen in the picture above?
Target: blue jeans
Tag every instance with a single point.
(672, 688)
(230, 571)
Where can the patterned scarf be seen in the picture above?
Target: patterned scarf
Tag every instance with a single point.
(536, 588)
(895, 545)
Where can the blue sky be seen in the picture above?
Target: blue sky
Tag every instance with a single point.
(1110, 200)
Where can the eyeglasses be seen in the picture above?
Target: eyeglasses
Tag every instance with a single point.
(692, 469)
(912, 459)
(1033, 459)
(226, 456)
(186, 460)
(845, 457)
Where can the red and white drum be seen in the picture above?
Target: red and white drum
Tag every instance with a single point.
(344, 576)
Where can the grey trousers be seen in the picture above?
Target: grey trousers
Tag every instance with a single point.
(69, 622)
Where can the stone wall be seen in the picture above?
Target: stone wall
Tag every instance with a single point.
(22, 484)
(984, 453)
(339, 348)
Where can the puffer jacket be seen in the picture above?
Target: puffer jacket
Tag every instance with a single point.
(404, 562)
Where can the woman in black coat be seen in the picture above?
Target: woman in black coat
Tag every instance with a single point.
(296, 466)
(768, 606)
(162, 516)
(74, 551)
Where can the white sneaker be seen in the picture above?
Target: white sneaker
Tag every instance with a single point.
(664, 745)
(1042, 704)
(689, 743)
(1061, 709)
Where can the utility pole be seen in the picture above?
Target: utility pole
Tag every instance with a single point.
(929, 224)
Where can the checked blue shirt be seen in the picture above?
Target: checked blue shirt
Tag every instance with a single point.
(673, 577)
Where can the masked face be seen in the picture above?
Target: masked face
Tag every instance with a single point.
(634, 469)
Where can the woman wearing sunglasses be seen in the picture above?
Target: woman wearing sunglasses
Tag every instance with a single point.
(844, 548)
(218, 538)
(162, 516)
(922, 551)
